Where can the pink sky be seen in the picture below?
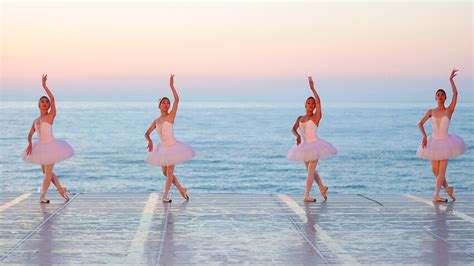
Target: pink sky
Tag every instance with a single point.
(102, 46)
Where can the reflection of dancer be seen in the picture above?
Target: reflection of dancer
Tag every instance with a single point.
(312, 217)
(441, 146)
(47, 150)
(172, 242)
(170, 151)
(440, 249)
(311, 148)
(46, 237)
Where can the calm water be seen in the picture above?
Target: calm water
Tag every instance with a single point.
(241, 147)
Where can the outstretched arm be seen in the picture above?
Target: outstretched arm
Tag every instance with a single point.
(422, 128)
(455, 91)
(147, 136)
(319, 113)
(295, 130)
(176, 99)
(50, 95)
(30, 136)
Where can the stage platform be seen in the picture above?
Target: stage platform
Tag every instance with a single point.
(137, 228)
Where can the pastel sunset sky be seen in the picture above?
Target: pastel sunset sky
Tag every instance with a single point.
(125, 50)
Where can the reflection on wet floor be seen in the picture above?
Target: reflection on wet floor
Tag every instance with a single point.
(236, 228)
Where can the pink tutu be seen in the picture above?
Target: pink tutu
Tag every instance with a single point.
(49, 153)
(170, 151)
(311, 151)
(442, 149)
(311, 147)
(174, 154)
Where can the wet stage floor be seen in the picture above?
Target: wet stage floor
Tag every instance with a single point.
(235, 228)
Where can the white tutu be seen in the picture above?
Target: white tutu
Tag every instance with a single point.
(170, 151)
(441, 145)
(177, 153)
(49, 153)
(47, 150)
(311, 147)
(311, 151)
(442, 149)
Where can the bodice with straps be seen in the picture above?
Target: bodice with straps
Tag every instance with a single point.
(440, 126)
(165, 132)
(309, 130)
(45, 131)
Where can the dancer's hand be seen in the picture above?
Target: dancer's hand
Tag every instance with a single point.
(424, 142)
(452, 106)
(298, 140)
(311, 82)
(172, 80)
(29, 149)
(453, 73)
(44, 79)
(150, 146)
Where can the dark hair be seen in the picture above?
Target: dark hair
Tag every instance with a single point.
(162, 99)
(440, 90)
(311, 97)
(44, 97)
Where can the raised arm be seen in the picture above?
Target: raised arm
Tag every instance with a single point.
(455, 91)
(422, 128)
(176, 99)
(30, 136)
(147, 135)
(50, 95)
(295, 130)
(319, 113)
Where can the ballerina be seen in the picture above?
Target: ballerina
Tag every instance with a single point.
(170, 151)
(47, 151)
(311, 148)
(440, 146)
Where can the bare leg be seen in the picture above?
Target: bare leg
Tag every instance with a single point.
(323, 189)
(169, 180)
(164, 170)
(440, 179)
(55, 180)
(316, 174)
(311, 166)
(447, 188)
(61, 190)
(175, 179)
(48, 172)
(176, 183)
(318, 180)
(181, 189)
(435, 169)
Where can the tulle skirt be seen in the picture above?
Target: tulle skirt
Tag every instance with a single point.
(311, 151)
(49, 153)
(170, 155)
(442, 149)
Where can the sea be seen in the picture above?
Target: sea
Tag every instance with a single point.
(241, 147)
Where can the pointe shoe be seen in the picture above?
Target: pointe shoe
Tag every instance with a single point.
(439, 199)
(309, 199)
(63, 192)
(44, 201)
(184, 193)
(324, 192)
(450, 192)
